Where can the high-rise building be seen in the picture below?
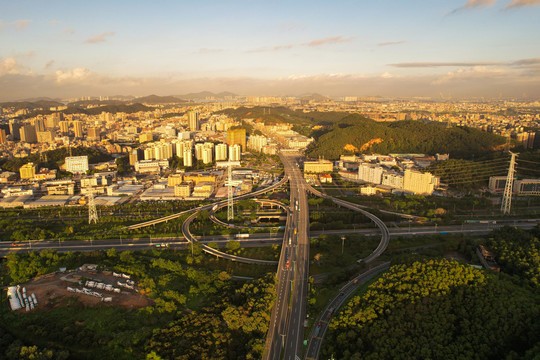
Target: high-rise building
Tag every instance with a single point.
(39, 124)
(27, 171)
(133, 157)
(237, 136)
(221, 152)
(193, 120)
(77, 128)
(234, 153)
(199, 151)
(45, 136)
(64, 127)
(3, 139)
(14, 129)
(28, 134)
(77, 164)
(149, 153)
(207, 155)
(257, 142)
(188, 157)
(94, 134)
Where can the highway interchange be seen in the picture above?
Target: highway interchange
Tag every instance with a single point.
(285, 338)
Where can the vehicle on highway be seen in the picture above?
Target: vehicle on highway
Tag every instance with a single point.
(317, 329)
(241, 236)
(330, 311)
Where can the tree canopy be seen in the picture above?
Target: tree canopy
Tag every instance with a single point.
(436, 309)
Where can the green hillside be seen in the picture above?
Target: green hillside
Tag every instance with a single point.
(368, 136)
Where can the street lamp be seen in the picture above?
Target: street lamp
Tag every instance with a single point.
(342, 243)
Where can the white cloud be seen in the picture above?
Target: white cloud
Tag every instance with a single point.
(9, 66)
(474, 73)
(387, 75)
(72, 75)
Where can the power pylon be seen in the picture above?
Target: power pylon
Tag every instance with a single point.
(92, 211)
(230, 210)
(507, 197)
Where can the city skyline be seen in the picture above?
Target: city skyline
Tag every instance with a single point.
(474, 48)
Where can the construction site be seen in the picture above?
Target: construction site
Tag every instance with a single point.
(85, 285)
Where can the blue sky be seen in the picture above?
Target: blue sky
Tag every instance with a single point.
(389, 48)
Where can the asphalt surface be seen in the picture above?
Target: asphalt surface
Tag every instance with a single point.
(317, 333)
(286, 331)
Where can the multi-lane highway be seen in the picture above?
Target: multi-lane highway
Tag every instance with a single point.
(286, 331)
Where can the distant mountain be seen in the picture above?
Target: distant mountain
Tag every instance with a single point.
(19, 105)
(42, 98)
(203, 95)
(315, 97)
(155, 99)
(85, 103)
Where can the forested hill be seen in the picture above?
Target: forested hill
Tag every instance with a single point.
(357, 134)
(437, 309)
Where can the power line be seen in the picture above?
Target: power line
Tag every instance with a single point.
(473, 171)
(528, 161)
(474, 163)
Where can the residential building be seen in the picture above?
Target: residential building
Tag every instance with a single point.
(234, 152)
(221, 152)
(28, 134)
(370, 173)
(78, 129)
(419, 182)
(237, 137)
(188, 157)
(28, 171)
(193, 120)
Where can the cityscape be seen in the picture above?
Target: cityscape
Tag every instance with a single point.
(290, 181)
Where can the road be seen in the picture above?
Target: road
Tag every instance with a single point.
(208, 206)
(136, 244)
(286, 330)
(318, 331)
(207, 249)
(254, 240)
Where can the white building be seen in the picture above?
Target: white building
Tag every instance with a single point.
(235, 152)
(221, 152)
(257, 142)
(419, 182)
(207, 155)
(370, 173)
(188, 157)
(199, 151)
(77, 164)
(392, 179)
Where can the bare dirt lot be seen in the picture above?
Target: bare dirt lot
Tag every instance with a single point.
(51, 290)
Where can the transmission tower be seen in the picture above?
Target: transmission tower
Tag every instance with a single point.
(92, 211)
(507, 197)
(230, 210)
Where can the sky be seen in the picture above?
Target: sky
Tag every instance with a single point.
(390, 48)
